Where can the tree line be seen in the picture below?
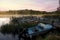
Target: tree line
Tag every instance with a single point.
(26, 11)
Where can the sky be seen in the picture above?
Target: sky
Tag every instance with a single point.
(41, 5)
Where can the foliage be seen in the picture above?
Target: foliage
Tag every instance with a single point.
(30, 12)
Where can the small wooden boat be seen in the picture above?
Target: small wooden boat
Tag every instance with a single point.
(39, 29)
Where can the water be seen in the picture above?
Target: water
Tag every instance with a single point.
(8, 37)
(4, 21)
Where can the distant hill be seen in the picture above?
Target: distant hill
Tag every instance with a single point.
(26, 11)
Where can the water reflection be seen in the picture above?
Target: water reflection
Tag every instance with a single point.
(8, 37)
(4, 21)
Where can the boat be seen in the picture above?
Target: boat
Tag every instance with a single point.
(39, 29)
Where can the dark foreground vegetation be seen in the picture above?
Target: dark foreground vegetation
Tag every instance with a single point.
(19, 27)
(16, 26)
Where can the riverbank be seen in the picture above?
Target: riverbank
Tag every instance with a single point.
(21, 15)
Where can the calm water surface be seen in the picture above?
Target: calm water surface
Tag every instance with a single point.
(4, 21)
(8, 37)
